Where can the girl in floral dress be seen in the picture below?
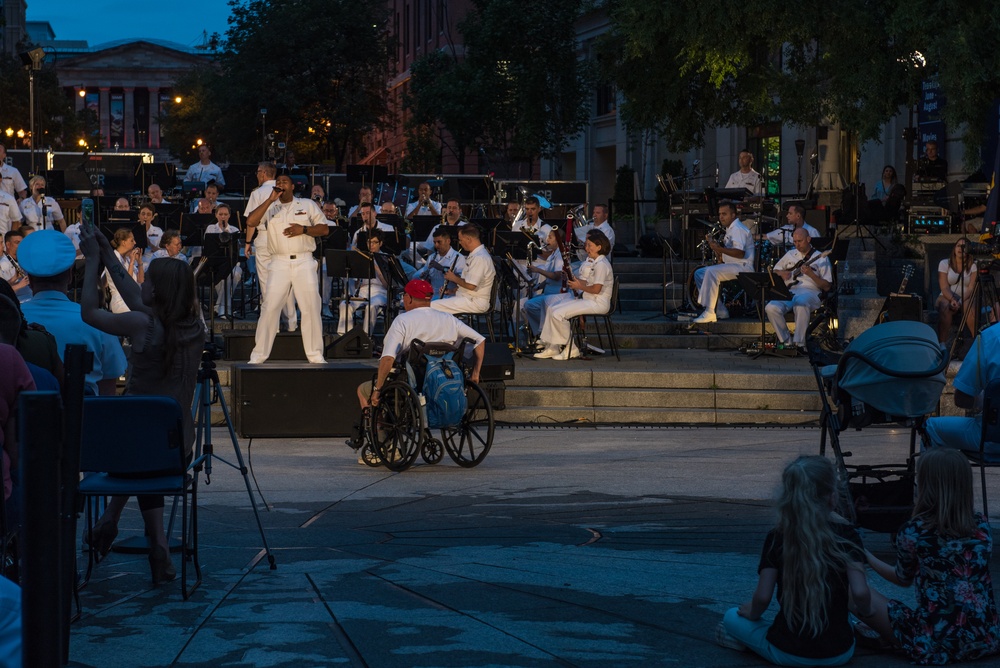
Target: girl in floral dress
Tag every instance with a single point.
(945, 550)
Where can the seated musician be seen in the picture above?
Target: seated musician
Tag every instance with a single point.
(369, 293)
(424, 206)
(369, 222)
(224, 288)
(445, 258)
(595, 283)
(421, 323)
(548, 267)
(932, 167)
(532, 223)
(452, 216)
(746, 176)
(599, 222)
(812, 271)
(476, 282)
(733, 255)
(796, 216)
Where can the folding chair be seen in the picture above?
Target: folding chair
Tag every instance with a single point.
(134, 445)
(990, 439)
(579, 324)
(475, 319)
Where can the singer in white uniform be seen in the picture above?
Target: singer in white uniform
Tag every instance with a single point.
(734, 255)
(292, 223)
(595, 283)
(40, 211)
(816, 277)
(266, 172)
(476, 282)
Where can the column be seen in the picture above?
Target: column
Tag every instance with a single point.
(128, 121)
(104, 113)
(154, 118)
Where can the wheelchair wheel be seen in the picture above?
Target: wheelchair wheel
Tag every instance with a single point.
(369, 456)
(432, 451)
(396, 427)
(469, 441)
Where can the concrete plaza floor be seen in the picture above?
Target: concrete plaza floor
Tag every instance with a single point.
(566, 547)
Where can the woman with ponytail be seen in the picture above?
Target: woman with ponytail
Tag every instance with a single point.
(814, 558)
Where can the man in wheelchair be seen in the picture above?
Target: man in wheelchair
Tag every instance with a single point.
(418, 323)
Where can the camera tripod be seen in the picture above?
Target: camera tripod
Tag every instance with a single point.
(208, 382)
(984, 296)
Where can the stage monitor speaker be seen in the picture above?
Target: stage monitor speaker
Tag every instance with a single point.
(498, 363)
(818, 218)
(355, 344)
(297, 400)
(902, 307)
(239, 344)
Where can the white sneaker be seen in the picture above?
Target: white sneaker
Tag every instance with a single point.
(317, 360)
(549, 352)
(706, 316)
(721, 312)
(567, 355)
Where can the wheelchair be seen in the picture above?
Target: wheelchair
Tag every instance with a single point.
(396, 431)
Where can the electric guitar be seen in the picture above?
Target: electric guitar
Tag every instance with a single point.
(905, 310)
(797, 268)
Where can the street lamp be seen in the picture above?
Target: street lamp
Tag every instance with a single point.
(32, 60)
(178, 99)
(82, 92)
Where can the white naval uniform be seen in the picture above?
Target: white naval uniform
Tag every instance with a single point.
(428, 244)
(32, 213)
(224, 288)
(117, 303)
(205, 173)
(8, 272)
(708, 278)
(533, 310)
(10, 213)
(581, 234)
(750, 181)
(11, 181)
(479, 271)
(783, 235)
(805, 297)
(560, 308)
(292, 270)
(374, 292)
(153, 236)
(415, 209)
(262, 253)
(385, 227)
(435, 277)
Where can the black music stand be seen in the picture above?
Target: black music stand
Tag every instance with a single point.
(345, 265)
(366, 175)
(423, 226)
(169, 215)
(109, 227)
(219, 255)
(392, 269)
(768, 286)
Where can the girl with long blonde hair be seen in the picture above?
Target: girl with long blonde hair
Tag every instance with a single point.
(944, 549)
(814, 559)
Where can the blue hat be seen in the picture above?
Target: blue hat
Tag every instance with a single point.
(46, 253)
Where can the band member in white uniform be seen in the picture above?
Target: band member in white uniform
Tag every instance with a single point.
(372, 290)
(130, 257)
(10, 269)
(147, 214)
(599, 222)
(364, 195)
(259, 249)
(595, 283)
(452, 216)
(10, 213)
(205, 170)
(424, 206)
(796, 217)
(292, 224)
(549, 270)
(476, 282)
(746, 177)
(816, 277)
(531, 223)
(39, 210)
(171, 246)
(224, 288)
(369, 221)
(11, 181)
(734, 255)
(447, 257)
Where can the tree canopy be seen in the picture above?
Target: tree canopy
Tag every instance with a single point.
(688, 65)
(57, 125)
(319, 67)
(520, 90)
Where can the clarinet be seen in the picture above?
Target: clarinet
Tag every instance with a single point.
(444, 285)
(17, 268)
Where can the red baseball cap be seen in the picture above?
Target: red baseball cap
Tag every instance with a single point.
(419, 289)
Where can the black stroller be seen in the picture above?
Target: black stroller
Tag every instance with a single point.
(893, 373)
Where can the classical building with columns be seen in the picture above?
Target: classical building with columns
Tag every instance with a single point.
(127, 83)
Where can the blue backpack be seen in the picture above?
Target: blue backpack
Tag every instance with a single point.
(444, 390)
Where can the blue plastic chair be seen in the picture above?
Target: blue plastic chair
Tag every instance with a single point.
(133, 445)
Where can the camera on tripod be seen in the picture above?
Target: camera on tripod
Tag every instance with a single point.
(212, 351)
(987, 247)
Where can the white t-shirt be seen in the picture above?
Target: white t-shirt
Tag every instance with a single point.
(958, 284)
(426, 325)
(750, 181)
